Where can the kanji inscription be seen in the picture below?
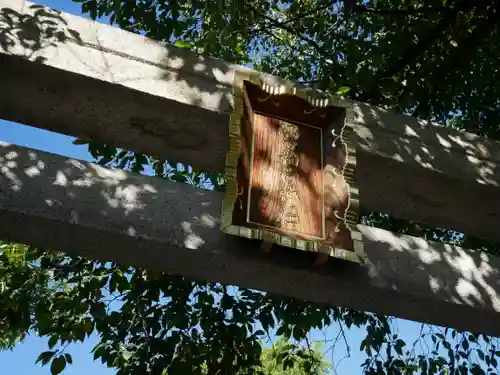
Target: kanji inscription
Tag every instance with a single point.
(286, 179)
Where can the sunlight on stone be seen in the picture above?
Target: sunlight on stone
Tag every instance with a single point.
(485, 169)
(74, 217)
(61, 179)
(376, 116)
(199, 67)
(459, 141)
(373, 270)
(422, 123)
(357, 111)
(109, 176)
(128, 193)
(463, 263)
(425, 164)
(364, 133)
(76, 164)
(223, 77)
(208, 220)
(468, 292)
(443, 142)
(398, 157)
(112, 202)
(434, 284)
(83, 182)
(173, 62)
(483, 151)
(487, 175)
(406, 142)
(473, 159)
(15, 182)
(49, 202)
(32, 171)
(429, 256)
(410, 132)
(11, 155)
(193, 241)
(11, 164)
(385, 237)
(149, 188)
(425, 150)
(124, 197)
(472, 277)
(186, 227)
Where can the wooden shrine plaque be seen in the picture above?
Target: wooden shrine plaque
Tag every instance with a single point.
(290, 172)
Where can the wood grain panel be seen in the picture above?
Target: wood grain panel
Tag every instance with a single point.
(286, 186)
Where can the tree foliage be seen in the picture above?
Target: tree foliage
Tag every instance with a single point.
(290, 359)
(22, 284)
(431, 58)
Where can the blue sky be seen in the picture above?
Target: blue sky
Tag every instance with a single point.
(22, 359)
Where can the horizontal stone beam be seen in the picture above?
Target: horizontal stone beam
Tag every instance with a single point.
(81, 78)
(81, 208)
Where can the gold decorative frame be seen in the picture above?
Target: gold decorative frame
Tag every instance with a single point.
(231, 194)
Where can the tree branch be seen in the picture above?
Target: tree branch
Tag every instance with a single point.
(406, 11)
(315, 45)
(456, 58)
(283, 26)
(415, 51)
(296, 18)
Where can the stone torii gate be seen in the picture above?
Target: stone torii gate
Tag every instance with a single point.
(84, 79)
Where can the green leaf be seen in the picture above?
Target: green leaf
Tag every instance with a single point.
(45, 357)
(89, 327)
(331, 83)
(259, 333)
(58, 364)
(68, 358)
(480, 354)
(465, 344)
(53, 341)
(343, 90)
(476, 370)
(281, 330)
(399, 346)
(266, 319)
(80, 334)
(126, 355)
(183, 44)
(99, 351)
(288, 363)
